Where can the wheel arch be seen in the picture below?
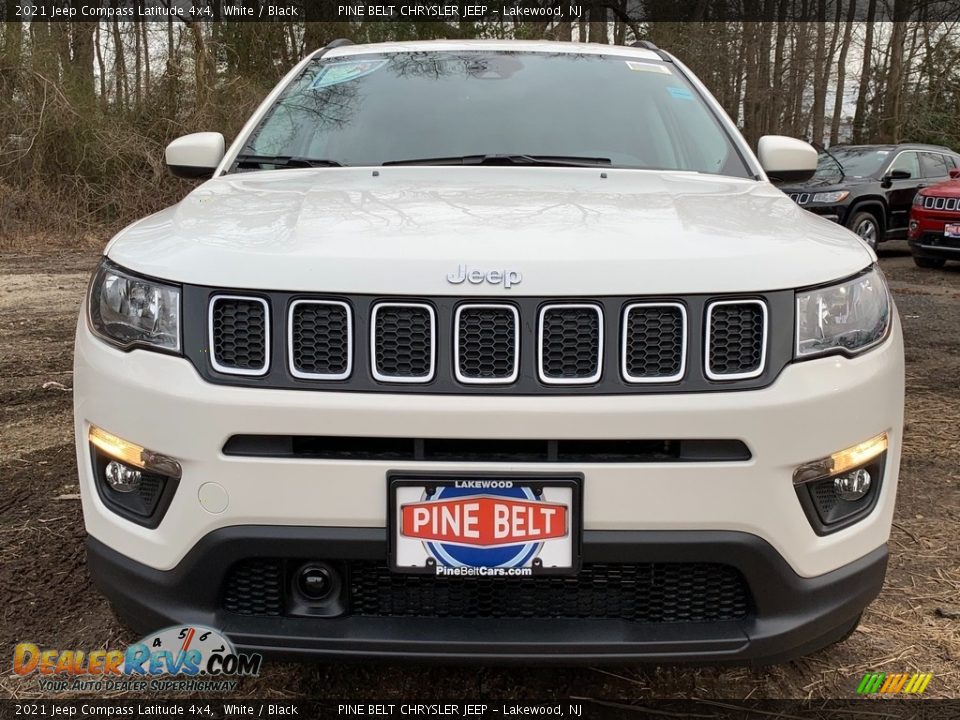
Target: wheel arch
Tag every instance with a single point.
(875, 206)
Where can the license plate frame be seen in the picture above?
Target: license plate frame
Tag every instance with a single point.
(570, 482)
(951, 230)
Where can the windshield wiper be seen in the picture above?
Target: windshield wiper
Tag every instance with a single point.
(830, 155)
(285, 161)
(508, 159)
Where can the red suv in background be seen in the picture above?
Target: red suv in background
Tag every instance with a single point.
(934, 233)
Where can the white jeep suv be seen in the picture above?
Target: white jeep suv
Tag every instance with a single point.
(490, 350)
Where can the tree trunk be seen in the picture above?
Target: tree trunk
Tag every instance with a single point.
(146, 58)
(598, 24)
(820, 78)
(119, 66)
(80, 64)
(200, 64)
(101, 67)
(842, 74)
(890, 122)
(860, 115)
(776, 104)
(137, 67)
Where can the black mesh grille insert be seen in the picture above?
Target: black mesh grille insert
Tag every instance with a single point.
(637, 592)
(403, 347)
(239, 334)
(320, 338)
(736, 338)
(570, 348)
(653, 342)
(487, 343)
(255, 587)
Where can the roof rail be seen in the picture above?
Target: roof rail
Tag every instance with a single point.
(645, 44)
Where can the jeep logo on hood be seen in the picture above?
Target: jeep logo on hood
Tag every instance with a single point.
(507, 278)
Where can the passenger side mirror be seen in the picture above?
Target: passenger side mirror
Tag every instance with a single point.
(895, 175)
(955, 174)
(195, 156)
(786, 159)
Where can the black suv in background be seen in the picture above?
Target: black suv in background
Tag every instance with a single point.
(869, 188)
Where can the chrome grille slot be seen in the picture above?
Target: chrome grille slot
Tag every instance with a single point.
(487, 343)
(654, 342)
(320, 339)
(403, 342)
(736, 339)
(570, 343)
(239, 334)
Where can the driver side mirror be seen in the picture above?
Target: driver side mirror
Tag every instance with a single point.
(196, 155)
(786, 159)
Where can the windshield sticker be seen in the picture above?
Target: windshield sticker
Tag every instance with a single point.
(648, 67)
(341, 72)
(680, 93)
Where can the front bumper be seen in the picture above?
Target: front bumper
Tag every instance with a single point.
(935, 245)
(812, 410)
(834, 213)
(805, 590)
(790, 615)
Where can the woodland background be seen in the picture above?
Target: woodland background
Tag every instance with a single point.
(86, 108)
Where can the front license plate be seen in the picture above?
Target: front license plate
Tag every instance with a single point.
(483, 526)
(952, 230)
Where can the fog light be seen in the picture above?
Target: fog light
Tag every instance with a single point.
(132, 454)
(122, 478)
(852, 486)
(843, 461)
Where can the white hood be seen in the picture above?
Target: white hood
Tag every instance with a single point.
(568, 231)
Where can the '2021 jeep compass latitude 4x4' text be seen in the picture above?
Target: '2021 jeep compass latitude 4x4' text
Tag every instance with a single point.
(493, 350)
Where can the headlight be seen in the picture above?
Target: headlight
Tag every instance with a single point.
(918, 200)
(830, 197)
(848, 317)
(130, 311)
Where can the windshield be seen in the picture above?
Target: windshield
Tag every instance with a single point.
(375, 109)
(856, 162)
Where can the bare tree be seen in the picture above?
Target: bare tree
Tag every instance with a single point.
(842, 73)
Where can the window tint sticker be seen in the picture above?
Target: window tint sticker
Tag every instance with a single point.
(680, 93)
(648, 67)
(341, 72)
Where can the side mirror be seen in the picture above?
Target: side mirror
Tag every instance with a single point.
(888, 179)
(787, 159)
(196, 155)
(955, 174)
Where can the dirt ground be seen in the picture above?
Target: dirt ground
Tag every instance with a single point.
(46, 595)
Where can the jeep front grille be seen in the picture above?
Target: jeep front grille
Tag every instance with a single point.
(239, 335)
(736, 339)
(524, 345)
(950, 204)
